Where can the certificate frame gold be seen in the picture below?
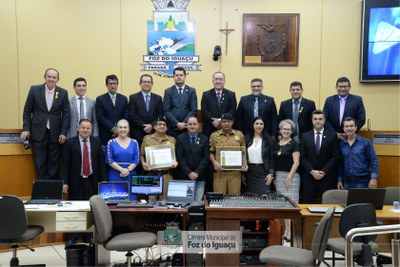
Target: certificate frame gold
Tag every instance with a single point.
(270, 39)
(151, 161)
(221, 150)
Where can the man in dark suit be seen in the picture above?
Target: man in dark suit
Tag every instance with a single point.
(192, 152)
(144, 108)
(110, 108)
(179, 103)
(319, 156)
(82, 168)
(343, 105)
(45, 123)
(254, 105)
(216, 101)
(298, 109)
(82, 107)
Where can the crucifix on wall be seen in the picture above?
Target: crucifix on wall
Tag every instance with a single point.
(226, 31)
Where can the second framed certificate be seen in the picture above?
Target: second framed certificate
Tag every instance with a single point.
(160, 157)
(231, 158)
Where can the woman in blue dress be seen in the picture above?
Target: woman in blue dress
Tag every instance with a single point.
(122, 155)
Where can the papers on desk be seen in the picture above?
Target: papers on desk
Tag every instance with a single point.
(323, 209)
(31, 206)
(395, 210)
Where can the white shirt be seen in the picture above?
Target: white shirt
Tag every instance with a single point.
(255, 152)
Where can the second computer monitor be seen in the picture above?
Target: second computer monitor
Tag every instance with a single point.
(147, 185)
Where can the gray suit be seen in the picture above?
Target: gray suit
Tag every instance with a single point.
(74, 116)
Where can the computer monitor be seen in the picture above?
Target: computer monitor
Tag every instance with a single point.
(146, 185)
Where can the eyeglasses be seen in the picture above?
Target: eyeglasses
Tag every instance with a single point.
(146, 82)
(342, 86)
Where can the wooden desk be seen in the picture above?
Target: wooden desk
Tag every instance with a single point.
(386, 216)
(226, 219)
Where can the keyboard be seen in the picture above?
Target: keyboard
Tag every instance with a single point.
(43, 201)
(134, 205)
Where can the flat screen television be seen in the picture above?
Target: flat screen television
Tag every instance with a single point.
(380, 41)
(146, 185)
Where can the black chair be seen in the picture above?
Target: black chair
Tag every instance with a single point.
(283, 255)
(14, 228)
(355, 216)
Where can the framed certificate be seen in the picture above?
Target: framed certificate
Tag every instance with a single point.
(231, 158)
(160, 157)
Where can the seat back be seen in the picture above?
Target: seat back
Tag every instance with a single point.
(358, 215)
(335, 196)
(392, 194)
(13, 221)
(101, 217)
(321, 234)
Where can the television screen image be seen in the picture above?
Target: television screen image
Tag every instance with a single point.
(380, 50)
(147, 185)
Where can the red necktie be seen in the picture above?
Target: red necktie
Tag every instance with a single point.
(85, 164)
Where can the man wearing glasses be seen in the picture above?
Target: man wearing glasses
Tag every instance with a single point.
(343, 105)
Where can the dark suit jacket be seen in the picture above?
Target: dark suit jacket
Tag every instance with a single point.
(138, 115)
(108, 115)
(305, 112)
(192, 158)
(211, 109)
(71, 163)
(326, 160)
(266, 152)
(267, 110)
(173, 107)
(354, 108)
(36, 114)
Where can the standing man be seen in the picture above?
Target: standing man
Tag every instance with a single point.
(110, 108)
(179, 103)
(159, 137)
(343, 105)
(45, 123)
(359, 165)
(216, 101)
(298, 109)
(144, 108)
(82, 167)
(227, 182)
(319, 156)
(82, 107)
(192, 152)
(255, 105)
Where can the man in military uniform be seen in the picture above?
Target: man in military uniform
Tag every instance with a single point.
(226, 181)
(159, 137)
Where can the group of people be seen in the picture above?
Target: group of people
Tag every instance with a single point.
(320, 146)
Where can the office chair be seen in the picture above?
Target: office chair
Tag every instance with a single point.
(353, 216)
(335, 196)
(392, 194)
(283, 255)
(14, 228)
(122, 242)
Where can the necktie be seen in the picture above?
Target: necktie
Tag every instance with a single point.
(147, 102)
(85, 161)
(317, 142)
(219, 97)
(81, 109)
(342, 104)
(256, 107)
(296, 116)
(180, 93)
(113, 100)
(193, 140)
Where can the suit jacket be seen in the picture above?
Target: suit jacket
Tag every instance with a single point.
(305, 112)
(327, 159)
(266, 152)
(71, 163)
(211, 109)
(138, 115)
(173, 108)
(354, 108)
(35, 114)
(267, 110)
(108, 115)
(193, 158)
(74, 116)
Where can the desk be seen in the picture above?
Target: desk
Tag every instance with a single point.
(386, 216)
(226, 219)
